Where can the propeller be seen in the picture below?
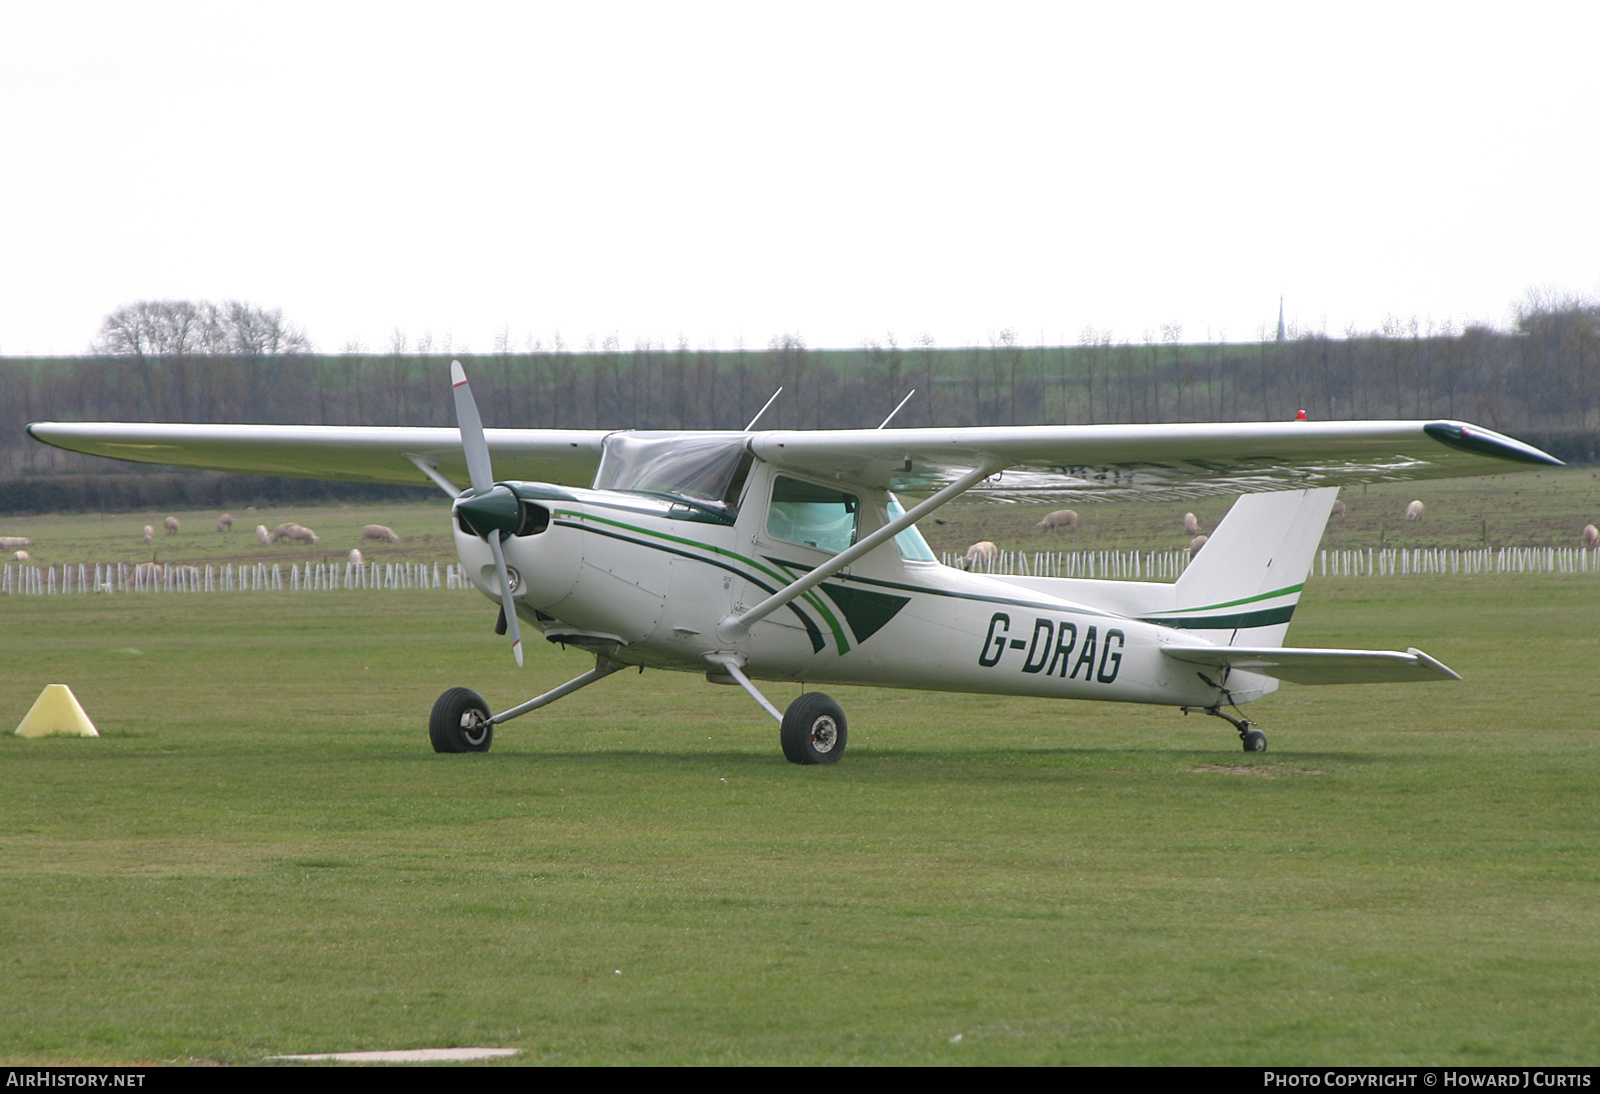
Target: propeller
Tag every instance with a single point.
(490, 509)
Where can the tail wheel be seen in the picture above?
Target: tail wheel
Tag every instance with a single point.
(460, 722)
(1254, 740)
(813, 730)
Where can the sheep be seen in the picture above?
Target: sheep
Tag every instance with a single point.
(11, 543)
(297, 534)
(148, 571)
(1338, 509)
(1061, 518)
(263, 536)
(171, 525)
(1191, 526)
(982, 551)
(1196, 543)
(282, 531)
(1415, 510)
(149, 534)
(225, 522)
(379, 531)
(21, 556)
(355, 557)
(1591, 536)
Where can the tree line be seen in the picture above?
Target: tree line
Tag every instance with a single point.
(1540, 380)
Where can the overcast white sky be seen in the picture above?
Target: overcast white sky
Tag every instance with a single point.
(716, 172)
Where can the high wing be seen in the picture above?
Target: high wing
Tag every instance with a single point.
(1314, 666)
(386, 454)
(1093, 462)
(1155, 462)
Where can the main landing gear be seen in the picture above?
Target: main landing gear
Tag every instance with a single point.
(1253, 739)
(812, 730)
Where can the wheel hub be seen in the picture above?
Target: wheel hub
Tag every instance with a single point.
(824, 734)
(474, 728)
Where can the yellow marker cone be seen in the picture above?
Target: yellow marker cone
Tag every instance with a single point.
(56, 713)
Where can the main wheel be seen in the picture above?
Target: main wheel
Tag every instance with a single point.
(460, 722)
(1255, 741)
(813, 730)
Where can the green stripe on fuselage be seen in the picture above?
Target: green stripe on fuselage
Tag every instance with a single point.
(834, 626)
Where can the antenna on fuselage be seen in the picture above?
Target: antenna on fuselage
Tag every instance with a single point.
(896, 410)
(763, 410)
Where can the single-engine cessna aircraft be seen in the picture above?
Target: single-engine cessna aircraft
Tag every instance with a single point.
(786, 555)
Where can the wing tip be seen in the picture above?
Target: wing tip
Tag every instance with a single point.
(1436, 666)
(1486, 442)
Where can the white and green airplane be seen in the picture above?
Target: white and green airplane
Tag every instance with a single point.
(787, 556)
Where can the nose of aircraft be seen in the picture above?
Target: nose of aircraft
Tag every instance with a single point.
(494, 510)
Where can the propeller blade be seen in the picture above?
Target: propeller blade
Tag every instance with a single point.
(471, 426)
(492, 510)
(505, 597)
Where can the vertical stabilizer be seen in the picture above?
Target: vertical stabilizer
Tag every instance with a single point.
(1242, 588)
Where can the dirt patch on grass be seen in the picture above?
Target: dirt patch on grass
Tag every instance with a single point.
(1265, 771)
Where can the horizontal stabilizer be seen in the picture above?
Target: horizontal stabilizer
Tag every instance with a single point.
(1318, 666)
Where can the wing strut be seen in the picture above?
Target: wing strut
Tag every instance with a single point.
(431, 469)
(736, 625)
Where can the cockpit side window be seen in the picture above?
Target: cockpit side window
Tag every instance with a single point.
(817, 516)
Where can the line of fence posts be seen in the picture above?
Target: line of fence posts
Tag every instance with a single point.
(149, 577)
(1369, 562)
(122, 577)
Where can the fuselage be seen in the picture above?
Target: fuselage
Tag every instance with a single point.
(645, 578)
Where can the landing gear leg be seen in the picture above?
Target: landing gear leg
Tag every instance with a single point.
(812, 730)
(1253, 739)
(461, 721)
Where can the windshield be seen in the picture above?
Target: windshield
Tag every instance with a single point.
(708, 468)
(913, 548)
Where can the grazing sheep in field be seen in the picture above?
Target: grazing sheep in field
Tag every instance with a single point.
(1338, 509)
(1191, 526)
(982, 551)
(171, 525)
(297, 534)
(1195, 544)
(149, 534)
(148, 571)
(225, 522)
(282, 530)
(355, 556)
(21, 556)
(379, 531)
(1591, 536)
(1415, 510)
(11, 543)
(1061, 518)
(263, 536)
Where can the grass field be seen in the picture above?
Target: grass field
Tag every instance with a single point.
(262, 855)
(1545, 509)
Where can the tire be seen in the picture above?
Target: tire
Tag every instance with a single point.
(1255, 741)
(451, 726)
(813, 730)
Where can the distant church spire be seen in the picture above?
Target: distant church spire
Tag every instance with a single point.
(1282, 334)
